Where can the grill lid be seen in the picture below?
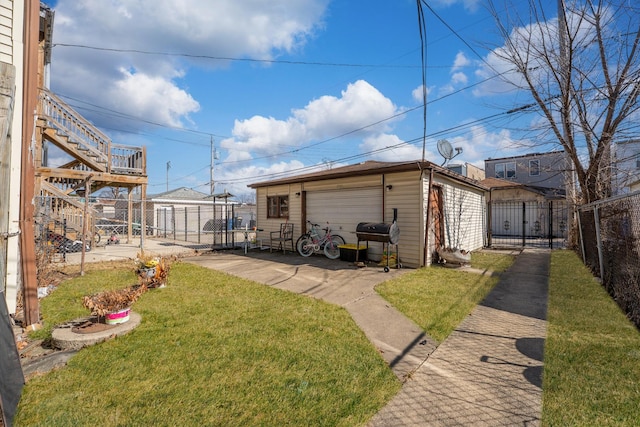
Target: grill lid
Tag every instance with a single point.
(378, 232)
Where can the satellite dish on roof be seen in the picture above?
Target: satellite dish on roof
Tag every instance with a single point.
(446, 150)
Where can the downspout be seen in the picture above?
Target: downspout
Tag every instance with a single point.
(27, 181)
(426, 226)
(489, 220)
(382, 188)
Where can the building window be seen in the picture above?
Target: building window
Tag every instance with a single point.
(278, 207)
(506, 170)
(534, 167)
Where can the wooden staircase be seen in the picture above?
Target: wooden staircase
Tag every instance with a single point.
(95, 162)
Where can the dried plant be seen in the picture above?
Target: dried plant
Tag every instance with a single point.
(152, 271)
(106, 302)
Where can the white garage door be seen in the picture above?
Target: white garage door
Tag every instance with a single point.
(344, 209)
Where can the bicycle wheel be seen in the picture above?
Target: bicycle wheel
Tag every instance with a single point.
(331, 249)
(304, 236)
(305, 247)
(338, 238)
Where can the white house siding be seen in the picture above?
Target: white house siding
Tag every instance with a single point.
(626, 166)
(267, 225)
(11, 51)
(6, 31)
(405, 195)
(464, 214)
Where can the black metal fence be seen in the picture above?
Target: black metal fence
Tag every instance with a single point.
(609, 242)
(528, 223)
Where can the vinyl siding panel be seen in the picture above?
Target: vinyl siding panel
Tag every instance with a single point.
(273, 224)
(464, 215)
(6, 31)
(352, 182)
(406, 196)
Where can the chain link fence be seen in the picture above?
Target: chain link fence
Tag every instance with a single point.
(217, 226)
(59, 223)
(609, 232)
(58, 230)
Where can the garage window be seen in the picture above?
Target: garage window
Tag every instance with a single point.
(278, 207)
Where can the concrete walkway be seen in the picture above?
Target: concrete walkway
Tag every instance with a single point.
(489, 371)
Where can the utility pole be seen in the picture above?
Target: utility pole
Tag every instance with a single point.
(168, 167)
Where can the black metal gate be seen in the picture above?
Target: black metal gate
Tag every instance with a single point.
(527, 223)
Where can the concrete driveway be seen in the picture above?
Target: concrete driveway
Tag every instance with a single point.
(400, 341)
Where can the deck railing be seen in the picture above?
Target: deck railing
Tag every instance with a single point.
(117, 158)
(63, 208)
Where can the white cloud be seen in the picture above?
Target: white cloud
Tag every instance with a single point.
(390, 148)
(222, 28)
(470, 5)
(359, 106)
(227, 178)
(459, 78)
(417, 94)
(536, 44)
(479, 144)
(143, 95)
(460, 61)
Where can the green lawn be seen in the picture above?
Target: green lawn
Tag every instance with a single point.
(439, 298)
(592, 352)
(212, 349)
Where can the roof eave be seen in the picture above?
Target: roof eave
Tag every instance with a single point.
(374, 170)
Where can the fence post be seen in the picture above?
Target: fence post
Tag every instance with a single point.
(584, 257)
(199, 228)
(164, 211)
(185, 225)
(596, 220)
(173, 222)
(489, 224)
(524, 223)
(550, 224)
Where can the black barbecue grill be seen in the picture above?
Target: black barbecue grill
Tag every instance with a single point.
(387, 233)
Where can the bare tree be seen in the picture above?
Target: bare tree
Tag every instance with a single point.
(583, 72)
(111, 192)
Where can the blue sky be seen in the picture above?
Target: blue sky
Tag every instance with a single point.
(285, 85)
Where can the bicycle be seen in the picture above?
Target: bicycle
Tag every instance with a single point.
(109, 231)
(312, 242)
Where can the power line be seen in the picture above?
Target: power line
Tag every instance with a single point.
(455, 33)
(487, 119)
(229, 58)
(296, 150)
(377, 151)
(140, 119)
